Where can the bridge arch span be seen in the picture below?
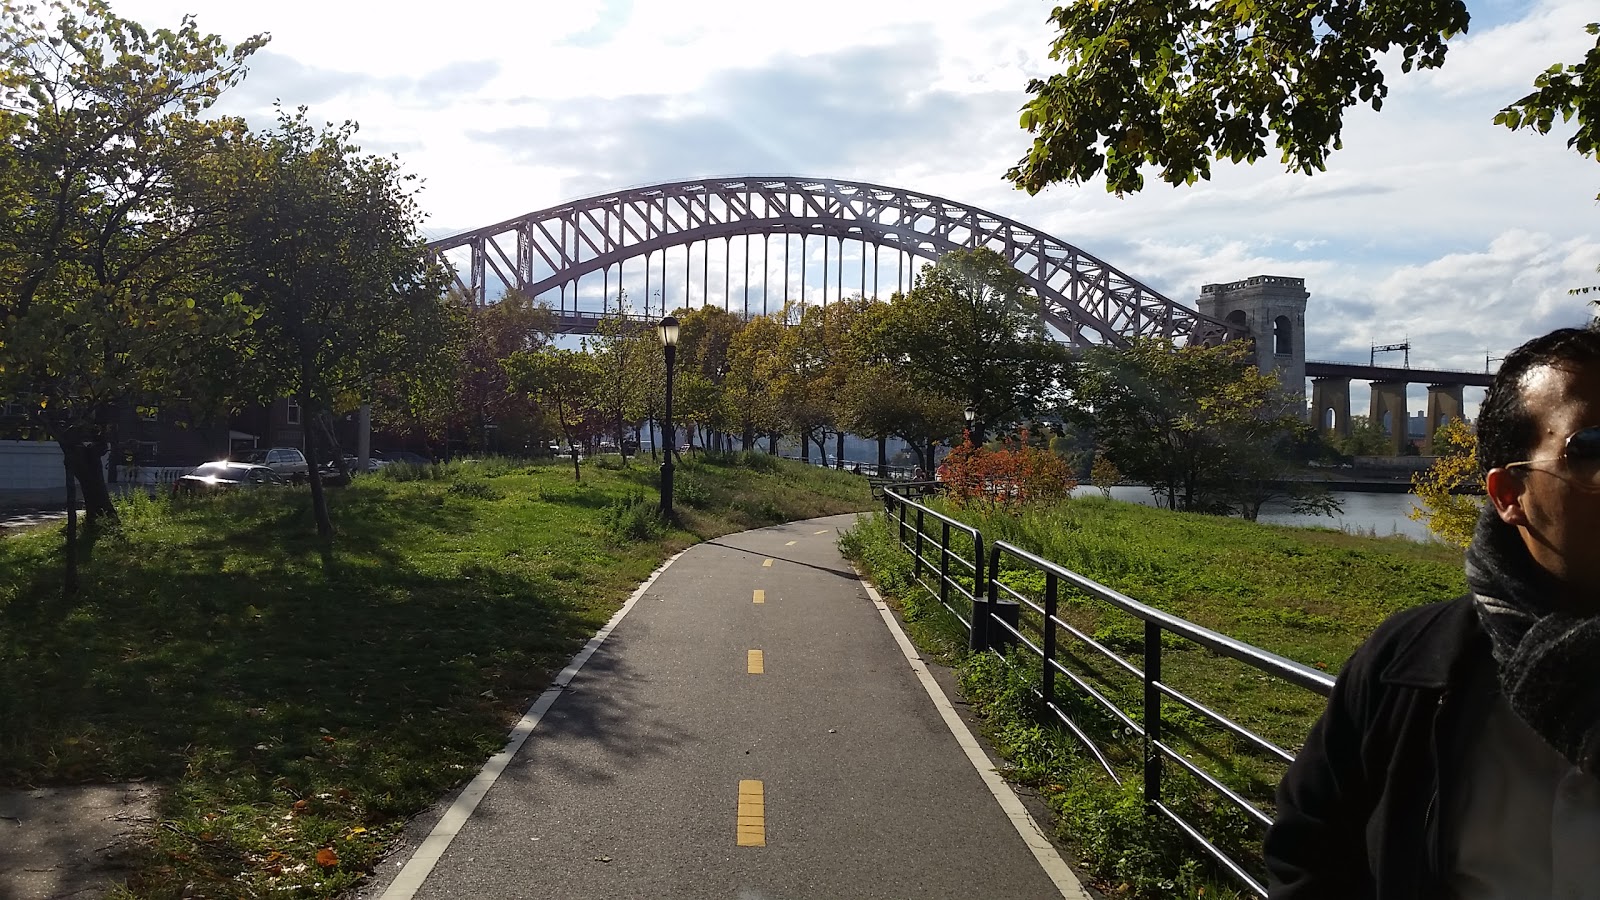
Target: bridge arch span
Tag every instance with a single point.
(1085, 298)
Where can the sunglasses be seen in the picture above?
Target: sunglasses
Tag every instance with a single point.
(1581, 453)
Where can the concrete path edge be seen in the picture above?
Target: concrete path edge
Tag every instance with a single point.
(1028, 829)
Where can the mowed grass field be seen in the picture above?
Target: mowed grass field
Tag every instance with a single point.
(296, 709)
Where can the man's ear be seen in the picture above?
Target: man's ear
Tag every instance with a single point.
(1504, 487)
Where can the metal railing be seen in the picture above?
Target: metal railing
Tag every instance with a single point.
(965, 580)
(996, 621)
(905, 487)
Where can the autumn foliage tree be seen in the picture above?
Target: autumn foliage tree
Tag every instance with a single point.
(1448, 512)
(1014, 474)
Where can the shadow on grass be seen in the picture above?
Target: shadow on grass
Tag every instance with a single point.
(290, 705)
(214, 652)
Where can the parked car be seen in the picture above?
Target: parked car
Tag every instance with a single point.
(332, 476)
(286, 461)
(385, 457)
(352, 463)
(224, 475)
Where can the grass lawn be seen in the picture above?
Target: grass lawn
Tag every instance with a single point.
(296, 710)
(1312, 595)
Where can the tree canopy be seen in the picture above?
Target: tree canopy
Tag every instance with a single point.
(325, 244)
(108, 292)
(1178, 85)
(971, 329)
(1194, 423)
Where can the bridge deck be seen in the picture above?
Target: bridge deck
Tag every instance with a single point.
(1324, 369)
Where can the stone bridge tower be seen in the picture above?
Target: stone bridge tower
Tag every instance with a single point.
(1272, 308)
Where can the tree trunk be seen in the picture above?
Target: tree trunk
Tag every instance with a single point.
(883, 456)
(933, 456)
(577, 473)
(82, 462)
(319, 499)
(69, 587)
(805, 447)
(335, 451)
(772, 444)
(749, 435)
(838, 454)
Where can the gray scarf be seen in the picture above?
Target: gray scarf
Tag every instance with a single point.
(1549, 659)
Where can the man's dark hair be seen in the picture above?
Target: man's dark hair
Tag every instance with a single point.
(1507, 429)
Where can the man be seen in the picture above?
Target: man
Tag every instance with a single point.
(1458, 753)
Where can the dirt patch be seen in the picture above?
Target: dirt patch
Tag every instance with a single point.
(70, 841)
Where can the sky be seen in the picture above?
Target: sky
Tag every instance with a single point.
(1432, 224)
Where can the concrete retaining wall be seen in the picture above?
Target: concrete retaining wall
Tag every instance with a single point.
(31, 466)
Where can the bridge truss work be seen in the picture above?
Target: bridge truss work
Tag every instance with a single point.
(562, 249)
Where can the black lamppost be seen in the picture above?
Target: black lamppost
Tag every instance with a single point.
(972, 427)
(668, 330)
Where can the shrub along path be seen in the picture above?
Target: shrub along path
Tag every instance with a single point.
(292, 712)
(749, 729)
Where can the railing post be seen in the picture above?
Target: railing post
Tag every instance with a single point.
(1048, 676)
(916, 560)
(1152, 717)
(944, 563)
(900, 521)
(981, 604)
(977, 563)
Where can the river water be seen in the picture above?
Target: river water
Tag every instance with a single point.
(1379, 514)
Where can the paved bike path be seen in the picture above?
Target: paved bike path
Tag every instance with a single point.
(636, 781)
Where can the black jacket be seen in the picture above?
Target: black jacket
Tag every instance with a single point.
(1362, 812)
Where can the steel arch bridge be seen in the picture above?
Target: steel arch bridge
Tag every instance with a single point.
(1084, 298)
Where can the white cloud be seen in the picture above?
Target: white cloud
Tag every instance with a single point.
(1503, 60)
(1431, 221)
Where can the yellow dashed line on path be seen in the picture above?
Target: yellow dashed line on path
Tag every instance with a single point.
(823, 531)
(791, 543)
(752, 813)
(767, 564)
(761, 596)
(755, 662)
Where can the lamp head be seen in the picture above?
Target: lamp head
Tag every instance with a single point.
(668, 329)
(972, 414)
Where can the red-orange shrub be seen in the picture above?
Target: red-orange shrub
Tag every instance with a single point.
(1012, 475)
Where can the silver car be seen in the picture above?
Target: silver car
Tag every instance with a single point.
(224, 475)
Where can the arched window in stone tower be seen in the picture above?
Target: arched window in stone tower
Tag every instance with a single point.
(1237, 317)
(1282, 336)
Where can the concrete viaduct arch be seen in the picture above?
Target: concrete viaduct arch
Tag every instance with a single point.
(1086, 299)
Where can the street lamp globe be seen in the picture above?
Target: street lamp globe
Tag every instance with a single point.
(668, 330)
(972, 415)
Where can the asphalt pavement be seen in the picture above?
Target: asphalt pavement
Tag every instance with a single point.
(751, 729)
